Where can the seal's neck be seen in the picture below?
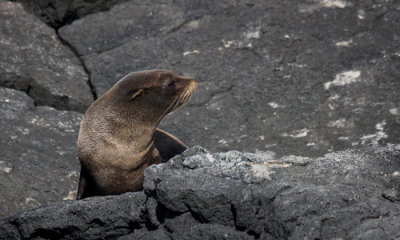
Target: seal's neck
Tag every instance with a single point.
(130, 129)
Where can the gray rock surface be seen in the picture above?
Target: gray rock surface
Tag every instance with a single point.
(57, 13)
(97, 218)
(135, 20)
(33, 59)
(304, 77)
(38, 162)
(235, 195)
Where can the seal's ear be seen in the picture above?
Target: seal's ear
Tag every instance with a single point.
(137, 94)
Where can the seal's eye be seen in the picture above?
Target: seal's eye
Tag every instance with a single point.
(171, 83)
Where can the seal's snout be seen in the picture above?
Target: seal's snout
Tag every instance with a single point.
(185, 89)
(190, 84)
(185, 85)
(193, 82)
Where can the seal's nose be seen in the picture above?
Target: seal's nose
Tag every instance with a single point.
(192, 83)
(186, 84)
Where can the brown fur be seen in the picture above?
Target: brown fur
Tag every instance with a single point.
(119, 138)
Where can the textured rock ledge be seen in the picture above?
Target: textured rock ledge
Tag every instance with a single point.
(38, 160)
(33, 59)
(351, 194)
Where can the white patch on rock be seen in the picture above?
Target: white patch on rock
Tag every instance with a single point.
(318, 4)
(193, 24)
(340, 123)
(334, 3)
(297, 65)
(239, 139)
(263, 170)
(343, 138)
(227, 44)
(215, 105)
(4, 168)
(274, 105)
(300, 133)
(253, 35)
(394, 111)
(72, 174)
(375, 138)
(29, 200)
(24, 131)
(334, 97)
(344, 78)
(297, 133)
(361, 14)
(380, 126)
(396, 174)
(61, 153)
(191, 52)
(270, 145)
(34, 120)
(261, 137)
(210, 157)
(344, 43)
(70, 196)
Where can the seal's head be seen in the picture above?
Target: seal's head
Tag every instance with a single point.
(153, 94)
(128, 113)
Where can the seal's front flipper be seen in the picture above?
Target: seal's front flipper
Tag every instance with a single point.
(81, 187)
(167, 144)
(84, 188)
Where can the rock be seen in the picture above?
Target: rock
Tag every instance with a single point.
(118, 216)
(57, 13)
(146, 235)
(33, 59)
(392, 195)
(38, 162)
(204, 231)
(133, 21)
(267, 79)
(236, 195)
(122, 23)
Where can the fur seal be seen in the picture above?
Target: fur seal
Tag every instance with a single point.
(118, 137)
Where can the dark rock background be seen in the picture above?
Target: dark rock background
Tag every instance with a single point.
(298, 78)
(302, 78)
(38, 163)
(57, 13)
